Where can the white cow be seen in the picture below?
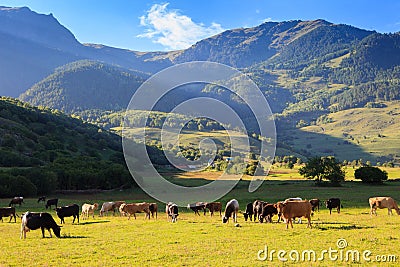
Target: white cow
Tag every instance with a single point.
(88, 209)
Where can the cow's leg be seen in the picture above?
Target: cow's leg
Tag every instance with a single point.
(330, 211)
(309, 221)
(389, 211)
(338, 209)
(42, 228)
(134, 215)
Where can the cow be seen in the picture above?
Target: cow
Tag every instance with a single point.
(117, 204)
(8, 212)
(88, 209)
(292, 199)
(231, 210)
(381, 203)
(36, 220)
(257, 208)
(42, 198)
(315, 204)
(134, 208)
(248, 212)
(294, 209)
(16, 200)
(196, 207)
(153, 207)
(171, 209)
(68, 211)
(268, 211)
(213, 207)
(333, 203)
(51, 202)
(106, 207)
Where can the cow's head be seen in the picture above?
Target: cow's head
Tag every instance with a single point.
(225, 219)
(57, 231)
(245, 216)
(328, 203)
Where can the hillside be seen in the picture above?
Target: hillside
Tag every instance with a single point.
(43, 150)
(84, 85)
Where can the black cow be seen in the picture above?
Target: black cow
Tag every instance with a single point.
(68, 211)
(8, 212)
(249, 212)
(172, 211)
(51, 202)
(196, 207)
(16, 200)
(268, 211)
(42, 198)
(36, 220)
(257, 208)
(314, 204)
(333, 203)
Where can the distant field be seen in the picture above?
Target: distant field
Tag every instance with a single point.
(366, 133)
(204, 241)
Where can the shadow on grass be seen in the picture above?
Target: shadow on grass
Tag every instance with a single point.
(338, 226)
(66, 236)
(93, 222)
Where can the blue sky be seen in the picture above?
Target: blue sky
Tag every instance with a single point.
(175, 24)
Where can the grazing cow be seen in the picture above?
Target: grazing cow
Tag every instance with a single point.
(381, 203)
(171, 209)
(268, 211)
(8, 212)
(88, 209)
(36, 220)
(196, 207)
(117, 204)
(106, 207)
(42, 198)
(315, 204)
(257, 208)
(231, 209)
(68, 211)
(51, 202)
(153, 207)
(333, 203)
(134, 208)
(248, 212)
(16, 200)
(294, 209)
(213, 207)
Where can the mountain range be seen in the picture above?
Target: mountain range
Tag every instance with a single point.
(306, 69)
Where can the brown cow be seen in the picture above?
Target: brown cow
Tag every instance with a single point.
(295, 209)
(213, 206)
(134, 208)
(383, 202)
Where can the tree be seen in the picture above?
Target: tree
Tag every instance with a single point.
(323, 168)
(372, 175)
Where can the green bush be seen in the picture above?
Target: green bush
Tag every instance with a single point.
(371, 175)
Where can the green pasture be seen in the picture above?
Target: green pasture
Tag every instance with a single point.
(205, 241)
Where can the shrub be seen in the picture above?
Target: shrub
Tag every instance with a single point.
(371, 175)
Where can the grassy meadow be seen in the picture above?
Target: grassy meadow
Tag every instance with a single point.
(204, 240)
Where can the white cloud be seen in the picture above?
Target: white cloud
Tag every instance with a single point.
(172, 29)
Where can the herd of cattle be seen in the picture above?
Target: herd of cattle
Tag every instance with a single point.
(287, 210)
